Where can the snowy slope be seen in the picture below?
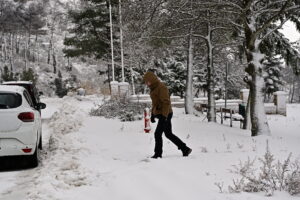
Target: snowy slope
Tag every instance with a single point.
(95, 158)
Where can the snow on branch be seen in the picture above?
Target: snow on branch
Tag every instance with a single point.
(230, 3)
(273, 18)
(274, 29)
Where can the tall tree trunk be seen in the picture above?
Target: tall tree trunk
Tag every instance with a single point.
(211, 112)
(292, 90)
(5, 49)
(17, 45)
(189, 101)
(298, 77)
(298, 80)
(38, 53)
(2, 47)
(25, 54)
(132, 80)
(259, 122)
(69, 64)
(50, 47)
(247, 120)
(54, 61)
(11, 57)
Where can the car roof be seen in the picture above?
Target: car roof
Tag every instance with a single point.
(11, 88)
(17, 82)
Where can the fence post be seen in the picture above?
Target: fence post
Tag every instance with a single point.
(230, 118)
(280, 102)
(221, 115)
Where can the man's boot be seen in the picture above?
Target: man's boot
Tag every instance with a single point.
(155, 156)
(186, 151)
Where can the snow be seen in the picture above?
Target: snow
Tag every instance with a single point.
(290, 31)
(93, 158)
(280, 93)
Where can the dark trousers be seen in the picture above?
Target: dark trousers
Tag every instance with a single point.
(166, 127)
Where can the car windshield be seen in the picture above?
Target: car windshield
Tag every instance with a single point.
(10, 100)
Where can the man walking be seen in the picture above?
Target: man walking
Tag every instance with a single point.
(161, 109)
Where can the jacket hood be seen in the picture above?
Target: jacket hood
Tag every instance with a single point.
(150, 77)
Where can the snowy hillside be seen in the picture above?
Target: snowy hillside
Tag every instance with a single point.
(96, 158)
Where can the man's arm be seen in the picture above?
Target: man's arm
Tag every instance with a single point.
(164, 100)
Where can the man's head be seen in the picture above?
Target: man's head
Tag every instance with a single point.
(150, 78)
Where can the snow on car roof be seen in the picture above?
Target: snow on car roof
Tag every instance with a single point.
(11, 88)
(17, 82)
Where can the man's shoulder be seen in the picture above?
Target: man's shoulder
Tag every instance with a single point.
(163, 86)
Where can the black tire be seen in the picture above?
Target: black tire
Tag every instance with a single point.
(41, 143)
(33, 160)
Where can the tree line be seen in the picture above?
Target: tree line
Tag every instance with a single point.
(196, 46)
(206, 33)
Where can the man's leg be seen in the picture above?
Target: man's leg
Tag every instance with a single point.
(158, 137)
(168, 132)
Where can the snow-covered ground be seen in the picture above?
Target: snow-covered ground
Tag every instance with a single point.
(95, 158)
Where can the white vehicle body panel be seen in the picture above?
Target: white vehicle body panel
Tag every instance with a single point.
(15, 134)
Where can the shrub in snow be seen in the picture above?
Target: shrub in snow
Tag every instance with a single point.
(271, 176)
(61, 90)
(293, 180)
(124, 110)
(29, 75)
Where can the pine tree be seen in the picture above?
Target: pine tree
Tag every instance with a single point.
(91, 30)
(29, 75)
(61, 90)
(273, 78)
(172, 70)
(7, 75)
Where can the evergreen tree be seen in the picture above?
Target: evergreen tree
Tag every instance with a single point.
(29, 75)
(173, 71)
(273, 78)
(61, 90)
(7, 75)
(91, 31)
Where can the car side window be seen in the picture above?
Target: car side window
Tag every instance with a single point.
(28, 98)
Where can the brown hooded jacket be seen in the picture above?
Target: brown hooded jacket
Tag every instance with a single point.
(159, 94)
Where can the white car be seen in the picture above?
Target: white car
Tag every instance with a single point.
(20, 124)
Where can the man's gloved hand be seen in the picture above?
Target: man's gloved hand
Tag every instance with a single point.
(152, 119)
(162, 118)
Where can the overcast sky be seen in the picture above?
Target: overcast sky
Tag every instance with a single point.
(289, 30)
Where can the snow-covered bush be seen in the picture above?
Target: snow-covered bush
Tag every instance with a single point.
(124, 110)
(271, 176)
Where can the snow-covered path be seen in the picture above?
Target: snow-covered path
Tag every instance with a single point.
(95, 158)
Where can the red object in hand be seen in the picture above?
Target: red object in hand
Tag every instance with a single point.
(147, 128)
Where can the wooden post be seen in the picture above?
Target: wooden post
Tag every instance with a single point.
(230, 118)
(221, 115)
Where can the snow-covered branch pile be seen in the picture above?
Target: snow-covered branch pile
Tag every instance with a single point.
(271, 176)
(124, 110)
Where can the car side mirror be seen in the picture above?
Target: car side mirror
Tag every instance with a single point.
(41, 105)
